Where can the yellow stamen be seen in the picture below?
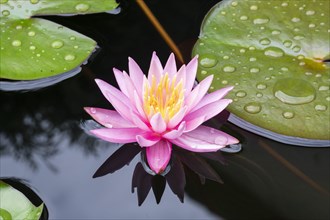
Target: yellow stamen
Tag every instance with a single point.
(165, 97)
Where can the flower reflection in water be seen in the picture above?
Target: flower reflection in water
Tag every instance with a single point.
(157, 111)
(144, 178)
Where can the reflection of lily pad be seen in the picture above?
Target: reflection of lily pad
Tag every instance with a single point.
(33, 48)
(273, 53)
(14, 205)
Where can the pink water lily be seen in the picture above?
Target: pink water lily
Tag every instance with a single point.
(162, 109)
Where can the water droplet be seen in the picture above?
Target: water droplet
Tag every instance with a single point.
(300, 57)
(19, 27)
(72, 38)
(288, 115)
(225, 57)
(240, 93)
(5, 13)
(328, 98)
(252, 48)
(299, 37)
(311, 25)
(287, 43)
(284, 69)
(254, 7)
(320, 107)
(229, 69)
(69, 57)
(32, 47)
(203, 72)
(234, 4)
(254, 70)
(324, 87)
(75, 46)
(259, 94)
(16, 43)
(295, 19)
(284, 4)
(224, 82)
(276, 32)
(296, 49)
(242, 50)
(294, 91)
(252, 59)
(252, 107)
(274, 52)
(57, 44)
(243, 18)
(260, 20)
(261, 86)
(31, 33)
(93, 110)
(310, 12)
(264, 41)
(34, 1)
(208, 61)
(82, 7)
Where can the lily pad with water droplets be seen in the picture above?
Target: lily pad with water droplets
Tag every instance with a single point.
(14, 205)
(33, 48)
(274, 53)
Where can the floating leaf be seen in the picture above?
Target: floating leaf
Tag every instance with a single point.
(14, 205)
(33, 48)
(274, 53)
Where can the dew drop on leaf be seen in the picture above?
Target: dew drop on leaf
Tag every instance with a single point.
(252, 107)
(294, 91)
(82, 7)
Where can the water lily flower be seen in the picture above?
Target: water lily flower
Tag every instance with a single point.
(161, 109)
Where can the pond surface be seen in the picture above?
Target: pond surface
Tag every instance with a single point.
(42, 142)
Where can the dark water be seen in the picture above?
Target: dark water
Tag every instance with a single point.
(41, 139)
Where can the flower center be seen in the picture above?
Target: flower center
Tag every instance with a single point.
(165, 97)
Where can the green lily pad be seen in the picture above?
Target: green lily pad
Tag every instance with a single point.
(14, 205)
(33, 48)
(273, 52)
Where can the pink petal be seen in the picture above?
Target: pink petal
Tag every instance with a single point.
(139, 106)
(155, 69)
(212, 135)
(119, 75)
(194, 123)
(159, 155)
(118, 100)
(195, 97)
(212, 97)
(175, 133)
(191, 70)
(181, 75)
(117, 135)
(204, 139)
(209, 110)
(157, 123)
(177, 118)
(170, 66)
(139, 122)
(108, 118)
(147, 140)
(136, 75)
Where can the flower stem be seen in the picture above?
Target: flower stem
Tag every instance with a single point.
(160, 29)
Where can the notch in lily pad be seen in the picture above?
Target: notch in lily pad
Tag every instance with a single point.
(33, 48)
(19, 201)
(276, 55)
